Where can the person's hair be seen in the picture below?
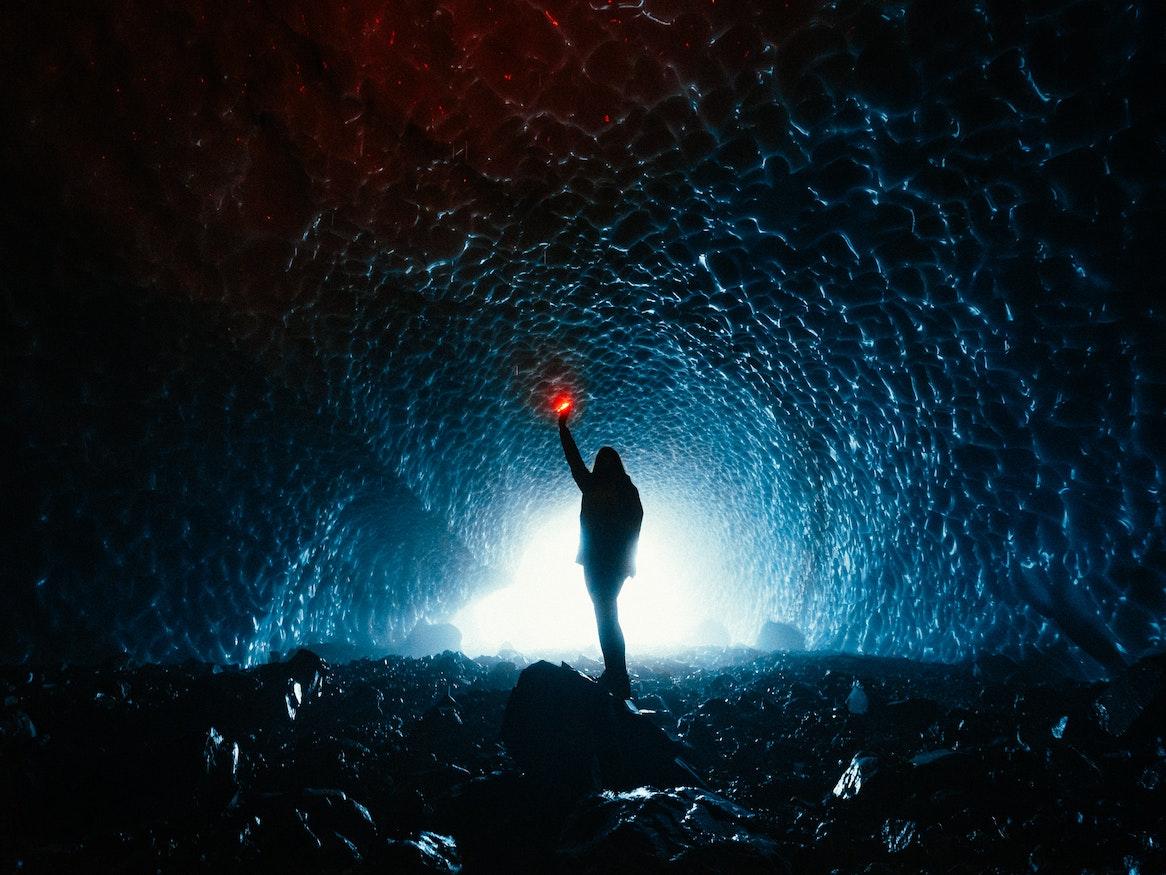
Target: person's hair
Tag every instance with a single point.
(608, 465)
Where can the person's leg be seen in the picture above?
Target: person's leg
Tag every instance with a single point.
(611, 641)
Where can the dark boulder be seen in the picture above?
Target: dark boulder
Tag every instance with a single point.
(309, 670)
(570, 737)
(220, 760)
(1136, 701)
(299, 680)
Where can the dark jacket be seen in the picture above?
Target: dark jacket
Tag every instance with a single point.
(611, 515)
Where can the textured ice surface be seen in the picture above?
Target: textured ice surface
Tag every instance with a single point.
(863, 292)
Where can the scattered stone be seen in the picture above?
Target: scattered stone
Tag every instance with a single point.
(684, 829)
(862, 768)
(429, 852)
(898, 834)
(301, 679)
(931, 756)
(309, 671)
(221, 766)
(186, 768)
(857, 702)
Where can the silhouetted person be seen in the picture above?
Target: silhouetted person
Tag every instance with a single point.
(609, 524)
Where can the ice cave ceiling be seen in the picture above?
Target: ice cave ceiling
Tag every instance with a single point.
(865, 293)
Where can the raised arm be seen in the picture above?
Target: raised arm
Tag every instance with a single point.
(571, 451)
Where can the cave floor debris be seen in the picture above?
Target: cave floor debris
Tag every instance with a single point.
(805, 762)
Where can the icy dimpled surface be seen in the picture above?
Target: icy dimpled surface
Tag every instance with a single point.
(860, 290)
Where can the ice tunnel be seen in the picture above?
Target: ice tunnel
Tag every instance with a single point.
(865, 293)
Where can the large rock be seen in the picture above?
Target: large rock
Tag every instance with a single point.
(1136, 701)
(780, 636)
(220, 760)
(571, 737)
(298, 681)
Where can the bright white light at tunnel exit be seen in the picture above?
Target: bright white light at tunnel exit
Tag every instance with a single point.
(547, 607)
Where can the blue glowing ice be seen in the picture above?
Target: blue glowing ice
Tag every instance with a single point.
(863, 295)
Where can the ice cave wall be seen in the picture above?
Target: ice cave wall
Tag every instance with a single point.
(865, 293)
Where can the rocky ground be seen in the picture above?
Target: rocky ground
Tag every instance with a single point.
(789, 762)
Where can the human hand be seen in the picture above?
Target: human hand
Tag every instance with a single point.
(563, 405)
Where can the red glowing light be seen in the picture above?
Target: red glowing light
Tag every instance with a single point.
(561, 404)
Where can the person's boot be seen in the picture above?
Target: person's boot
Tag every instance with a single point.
(618, 684)
(622, 687)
